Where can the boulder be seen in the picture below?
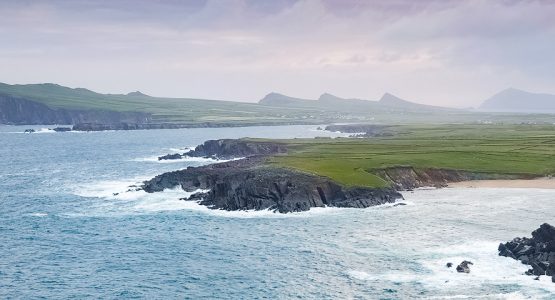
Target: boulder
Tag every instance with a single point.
(464, 266)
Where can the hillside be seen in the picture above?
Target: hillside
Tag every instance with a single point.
(53, 99)
(514, 100)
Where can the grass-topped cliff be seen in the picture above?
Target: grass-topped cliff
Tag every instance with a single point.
(295, 175)
(524, 150)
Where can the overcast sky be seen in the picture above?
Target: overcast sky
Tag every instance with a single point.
(451, 53)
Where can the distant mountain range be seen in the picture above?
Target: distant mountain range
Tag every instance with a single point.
(55, 104)
(514, 100)
(329, 101)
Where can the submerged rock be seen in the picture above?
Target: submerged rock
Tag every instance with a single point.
(464, 266)
(29, 131)
(538, 251)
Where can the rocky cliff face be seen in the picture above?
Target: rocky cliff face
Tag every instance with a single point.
(406, 178)
(250, 183)
(538, 251)
(15, 110)
(229, 148)
(247, 184)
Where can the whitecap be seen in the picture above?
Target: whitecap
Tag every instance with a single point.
(45, 130)
(38, 214)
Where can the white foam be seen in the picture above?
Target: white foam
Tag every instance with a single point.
(121, 197)
(45, 130)
(488, 267)
(38, 214)
(184, 159)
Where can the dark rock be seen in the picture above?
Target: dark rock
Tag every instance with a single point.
(449, 265)
(248, 184)
(399, 204)
(29, 131)
(171, 156)
(464, 266)
(62, 129)
(228, 148)
(536, 251)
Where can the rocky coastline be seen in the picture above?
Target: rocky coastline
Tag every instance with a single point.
(538, 251)
(250, 184)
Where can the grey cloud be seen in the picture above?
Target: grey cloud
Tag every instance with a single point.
(439, 52)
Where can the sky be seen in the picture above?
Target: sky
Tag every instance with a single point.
(441, 52)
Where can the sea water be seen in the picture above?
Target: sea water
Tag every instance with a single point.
(69, 228)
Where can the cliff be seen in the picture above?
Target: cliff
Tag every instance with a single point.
(255, 183)
(249, 184)
(229, 149)
(14, 110)
(406, 177)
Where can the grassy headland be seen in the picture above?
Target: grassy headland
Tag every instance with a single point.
(496, 149)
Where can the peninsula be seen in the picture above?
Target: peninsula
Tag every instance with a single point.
(297, 174)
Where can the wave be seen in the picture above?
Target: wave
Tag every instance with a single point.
(123, 198)
(488, 267)
(37, 214)
(45, 130)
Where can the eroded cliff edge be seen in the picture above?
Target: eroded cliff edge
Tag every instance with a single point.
(251, 183)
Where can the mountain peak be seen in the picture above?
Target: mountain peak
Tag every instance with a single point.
(278, 99)
(137, 94)
(329, 97)
(388, 98)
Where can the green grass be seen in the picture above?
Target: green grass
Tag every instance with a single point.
(499, 149)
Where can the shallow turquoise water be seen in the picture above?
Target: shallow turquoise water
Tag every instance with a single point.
(63, 234)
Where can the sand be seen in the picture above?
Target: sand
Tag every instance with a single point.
(539, 183)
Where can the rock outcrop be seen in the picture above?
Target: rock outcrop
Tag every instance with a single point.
(538, 251)
(248, 184)
(62, 129)
(229, 148)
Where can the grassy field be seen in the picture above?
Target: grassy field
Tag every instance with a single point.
(503, 149)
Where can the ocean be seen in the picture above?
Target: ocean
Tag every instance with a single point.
(70, 229)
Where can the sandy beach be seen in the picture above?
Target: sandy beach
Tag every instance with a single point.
(539, 183)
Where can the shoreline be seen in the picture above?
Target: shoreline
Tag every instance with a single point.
(537, 183)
